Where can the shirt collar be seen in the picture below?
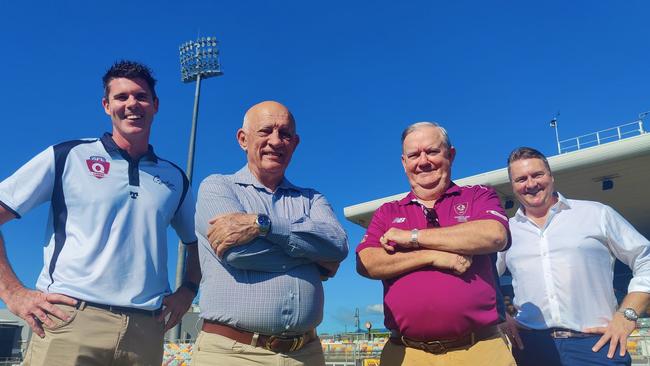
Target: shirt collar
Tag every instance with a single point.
(245, 177)
(453, 189)
(562, 203)
(111, 147)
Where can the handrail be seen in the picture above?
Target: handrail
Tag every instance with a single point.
(601, 137)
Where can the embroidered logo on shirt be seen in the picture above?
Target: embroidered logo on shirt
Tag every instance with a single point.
(98, 166)
(497, 214)
(460, 209)
(134, 195)
(399, 220)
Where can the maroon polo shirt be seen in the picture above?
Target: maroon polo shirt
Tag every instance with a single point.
(431, 304)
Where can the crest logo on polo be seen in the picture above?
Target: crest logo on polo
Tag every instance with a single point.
(460, 209)
(98, 166)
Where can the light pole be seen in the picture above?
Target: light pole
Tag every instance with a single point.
(199, 60)
(557, 134)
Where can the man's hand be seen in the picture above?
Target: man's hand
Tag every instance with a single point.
(396, 237)
(35, 308)
(511, 329)
(616, 333)
(231, 229)
(455, 262)
(176, 305)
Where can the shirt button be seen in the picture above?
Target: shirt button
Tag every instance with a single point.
(284, 267)
(286, 327)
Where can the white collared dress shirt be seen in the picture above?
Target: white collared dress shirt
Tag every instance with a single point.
(562, 273)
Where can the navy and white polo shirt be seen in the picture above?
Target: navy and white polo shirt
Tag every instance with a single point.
(106, 236)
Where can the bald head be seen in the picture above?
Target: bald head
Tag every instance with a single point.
(268, 135)
(268, 108)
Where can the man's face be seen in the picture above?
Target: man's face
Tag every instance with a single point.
(269, 140)
(427, 160)
(131, 106)
(532, 184)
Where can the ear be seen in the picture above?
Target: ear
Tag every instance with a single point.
(296, 141)
(241, 139)
(452, 154)
(155, 105)
(403, 162)
(105, 105)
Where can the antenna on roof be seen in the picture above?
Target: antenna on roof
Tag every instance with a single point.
(557, 135)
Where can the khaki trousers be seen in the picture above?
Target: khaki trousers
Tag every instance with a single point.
(215, 350)
(489, 352)
(98, 337)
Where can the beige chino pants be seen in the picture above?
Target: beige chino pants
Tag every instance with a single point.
(490, 352)
(98, 337)
(216, 350)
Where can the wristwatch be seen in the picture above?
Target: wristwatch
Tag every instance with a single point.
(629, 314)
(414, 239)
(263, 223)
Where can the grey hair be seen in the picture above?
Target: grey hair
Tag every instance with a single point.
(418, 125)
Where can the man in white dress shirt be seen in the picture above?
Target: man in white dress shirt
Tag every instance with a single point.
(562, 260)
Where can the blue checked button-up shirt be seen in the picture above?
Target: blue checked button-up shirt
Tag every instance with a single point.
(270, 285)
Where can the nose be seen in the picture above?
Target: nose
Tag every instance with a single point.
(530, 182)
(131, 102)
(422, 159)
(274, 138)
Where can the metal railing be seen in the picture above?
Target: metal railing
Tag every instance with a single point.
(601, 137)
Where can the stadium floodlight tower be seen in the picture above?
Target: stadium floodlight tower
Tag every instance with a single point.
(199, 60)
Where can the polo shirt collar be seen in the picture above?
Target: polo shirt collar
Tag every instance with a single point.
(111, 147)
(562, 203)
(245, 177)
(410, 197)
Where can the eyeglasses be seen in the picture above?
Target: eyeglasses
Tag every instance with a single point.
(431, 215)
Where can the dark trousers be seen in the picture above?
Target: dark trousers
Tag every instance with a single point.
(540, 349)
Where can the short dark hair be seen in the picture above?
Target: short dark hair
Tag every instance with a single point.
(129, 70)
(525, 152)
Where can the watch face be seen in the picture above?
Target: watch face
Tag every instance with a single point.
(263, 220)
(630, 314)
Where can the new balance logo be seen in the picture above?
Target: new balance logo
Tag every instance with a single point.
(134, 195)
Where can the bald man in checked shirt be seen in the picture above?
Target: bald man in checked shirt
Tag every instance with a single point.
(264, 245)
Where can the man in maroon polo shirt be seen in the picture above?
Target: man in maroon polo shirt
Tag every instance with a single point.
(434, 251)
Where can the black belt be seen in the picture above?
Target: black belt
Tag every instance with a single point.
(559, 333)
(445, 345)
(117, 309)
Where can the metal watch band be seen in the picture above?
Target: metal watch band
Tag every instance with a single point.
(414, 238)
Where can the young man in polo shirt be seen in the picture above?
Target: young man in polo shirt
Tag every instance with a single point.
(103, 296)
(439, 312)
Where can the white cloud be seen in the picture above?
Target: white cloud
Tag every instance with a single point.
(375, 309)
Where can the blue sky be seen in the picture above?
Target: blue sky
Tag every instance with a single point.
(353, 73)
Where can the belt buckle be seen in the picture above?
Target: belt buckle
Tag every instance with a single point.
(435, 347)
(560, 334)
(296, 343)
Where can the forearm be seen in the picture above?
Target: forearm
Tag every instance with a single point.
(378, 264)
(638, 301)
(474, 237)
(192, 265)
(9, 282)
(307, 238)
